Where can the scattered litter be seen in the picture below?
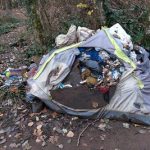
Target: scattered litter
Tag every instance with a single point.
(126, 125)
(64, 131)
(75, 118)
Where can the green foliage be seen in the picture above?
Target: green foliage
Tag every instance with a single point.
(134, 24)
(7, 23)
(15, 94)
(2, 48)
(35, 50)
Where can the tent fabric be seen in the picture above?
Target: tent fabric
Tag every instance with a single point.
(143, 72)
(51, 56)
(128, 98)
(54, 73)
(127, 95)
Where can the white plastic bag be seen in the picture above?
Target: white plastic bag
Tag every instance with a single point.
(84, 33)
(67, 39)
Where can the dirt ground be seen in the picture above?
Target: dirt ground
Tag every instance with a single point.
(48, 130)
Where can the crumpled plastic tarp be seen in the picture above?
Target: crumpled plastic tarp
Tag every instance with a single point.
(128, 100)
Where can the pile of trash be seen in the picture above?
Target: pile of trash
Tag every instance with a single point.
(16, 76)
(94, 61)
(98, 67)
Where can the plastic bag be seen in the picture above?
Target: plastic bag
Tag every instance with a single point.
(67, 39)
(84, 33)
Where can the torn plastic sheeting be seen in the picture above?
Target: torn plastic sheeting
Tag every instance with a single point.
(120, 103)
(52, 55)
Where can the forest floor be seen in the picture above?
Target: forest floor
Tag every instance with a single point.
(48, 130)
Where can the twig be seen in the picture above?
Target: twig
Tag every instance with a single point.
(92, 123)
(78, 142)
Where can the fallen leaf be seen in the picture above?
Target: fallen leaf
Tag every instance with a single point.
(37, 118)
(69, 141)
(53, 139)
(1, 115)
(14, 90)
(5, 130)
(102, 148)
(94, 104)
(26, 146)
(60, 146)
(13, 145)
(70, 134)
(38, 132)
(84, 144)
(43, 143)
(2, 141)
(32, 114)
(102, 137)
(43, 116)
(18, 135)
(24, 111)
(54, 115)
(136, 125)
(64, 131)
(17, 123)
(39, 126)
(102, 126)
(75, 118)
(38, 140)
(30, 124)
(142, 131)
(9, 135)
(2, 137)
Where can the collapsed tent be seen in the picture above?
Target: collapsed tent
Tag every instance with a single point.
(128, 99)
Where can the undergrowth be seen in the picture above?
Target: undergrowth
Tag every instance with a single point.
(133, 19)
(7, 23)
